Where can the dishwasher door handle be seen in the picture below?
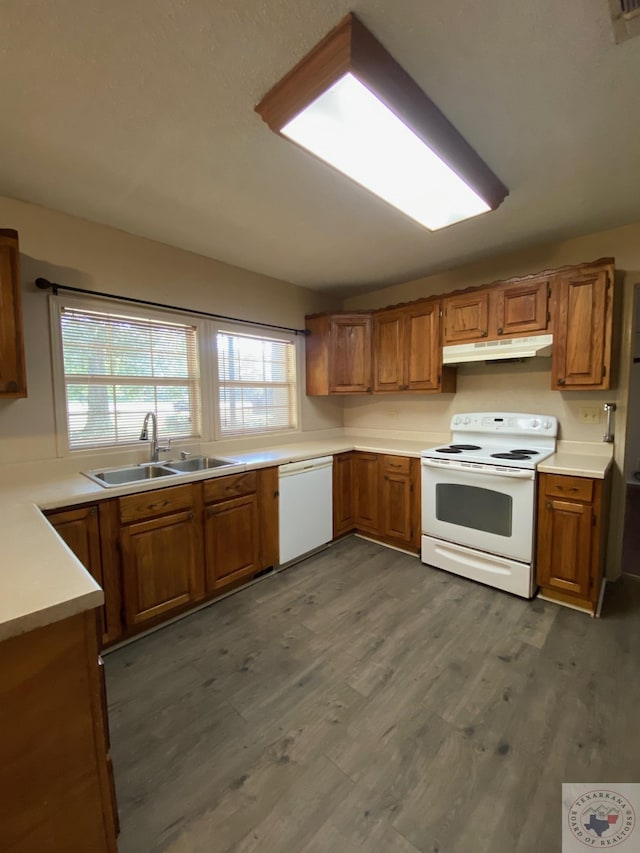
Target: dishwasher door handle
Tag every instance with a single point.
(304, 465)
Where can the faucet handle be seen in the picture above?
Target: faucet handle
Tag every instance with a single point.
(185, 454)
(164, 448)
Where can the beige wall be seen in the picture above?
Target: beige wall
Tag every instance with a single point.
(84, 254)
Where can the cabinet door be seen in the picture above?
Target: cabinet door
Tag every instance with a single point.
(343, 517)
(564, 545)
(389, 351)
(13, 381)
(396, 507)
(80, 529)
(350, 354)
(366, 493)
(422, 347)
(232, 547)
(269, 516)
(582, 330)
(161, 564)
(466, 317)
(522, 308)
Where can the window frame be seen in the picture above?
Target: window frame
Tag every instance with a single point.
(207, 331)
(265, 334)
(114, 307)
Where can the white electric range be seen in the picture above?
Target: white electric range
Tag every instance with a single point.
(478, 497)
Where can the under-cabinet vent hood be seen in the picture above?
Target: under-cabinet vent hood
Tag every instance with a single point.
(508, 348)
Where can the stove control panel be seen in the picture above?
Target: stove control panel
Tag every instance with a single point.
(506, 422)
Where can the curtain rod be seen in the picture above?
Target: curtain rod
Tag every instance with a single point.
(45, 284)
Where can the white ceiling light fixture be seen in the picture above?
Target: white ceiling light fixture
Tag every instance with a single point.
(351, 104)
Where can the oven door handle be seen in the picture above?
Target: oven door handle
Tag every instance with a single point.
(515, 474)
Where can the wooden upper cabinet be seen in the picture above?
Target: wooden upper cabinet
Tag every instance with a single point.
(583, 321)
(423, 351)
(338, 354)
(13, 380)
(389, 350)
(407, 353)
(466, 316)
(521, 309)
(350, 354)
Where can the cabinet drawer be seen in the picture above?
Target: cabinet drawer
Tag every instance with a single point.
(223, 488)
(561, 486)
(396, 464)
(151, 504)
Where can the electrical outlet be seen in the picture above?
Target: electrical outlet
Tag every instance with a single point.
(590, 415)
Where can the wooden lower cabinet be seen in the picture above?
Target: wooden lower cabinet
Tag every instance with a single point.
(161, 553)
(343, 478)
(571, 538)
(378, 495)
(366, 492)
(85, 529)
(232, 541)
(232, 549)
(161, 566)
(157, 553)
(56, 786)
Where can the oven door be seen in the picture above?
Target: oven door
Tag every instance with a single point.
(481, 508)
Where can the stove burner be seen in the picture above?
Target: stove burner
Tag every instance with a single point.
(466, 446)
(518, 450)
(511, 454)
(447, 450)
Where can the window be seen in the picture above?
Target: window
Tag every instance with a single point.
(117, 367)
(205, 381)
(256, 383)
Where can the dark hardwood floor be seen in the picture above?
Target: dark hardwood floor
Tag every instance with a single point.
(361, 701)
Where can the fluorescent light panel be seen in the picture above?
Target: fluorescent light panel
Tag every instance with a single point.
(350, 128)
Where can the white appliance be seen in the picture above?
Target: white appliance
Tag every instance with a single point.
(506, 348)
(478, 497)
(305, 507)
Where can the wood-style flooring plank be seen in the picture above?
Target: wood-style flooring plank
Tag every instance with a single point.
(361, 701)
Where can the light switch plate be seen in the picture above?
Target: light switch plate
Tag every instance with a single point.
(590, 415)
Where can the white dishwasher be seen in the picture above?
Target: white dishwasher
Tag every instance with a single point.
(305, 506)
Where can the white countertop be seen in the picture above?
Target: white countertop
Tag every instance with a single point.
(570, 461)
(41, 581)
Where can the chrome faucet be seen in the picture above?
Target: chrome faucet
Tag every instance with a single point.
(155, 447)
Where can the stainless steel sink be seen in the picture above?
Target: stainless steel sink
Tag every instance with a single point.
(130, 474)
(198, 463)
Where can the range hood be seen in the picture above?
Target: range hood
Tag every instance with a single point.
(537, 345)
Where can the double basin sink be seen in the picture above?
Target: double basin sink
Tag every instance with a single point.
(152, 470)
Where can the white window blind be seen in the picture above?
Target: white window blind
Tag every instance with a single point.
(116, 368)
(256, 384)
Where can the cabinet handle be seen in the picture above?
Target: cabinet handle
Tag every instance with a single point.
(561, 381)
(567, 488)
(549, 505)
(12, 386)
(369, 388)
(190, 516)
(500, 330)
(484, 334)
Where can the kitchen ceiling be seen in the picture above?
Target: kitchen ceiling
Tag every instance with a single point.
(140, 116)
